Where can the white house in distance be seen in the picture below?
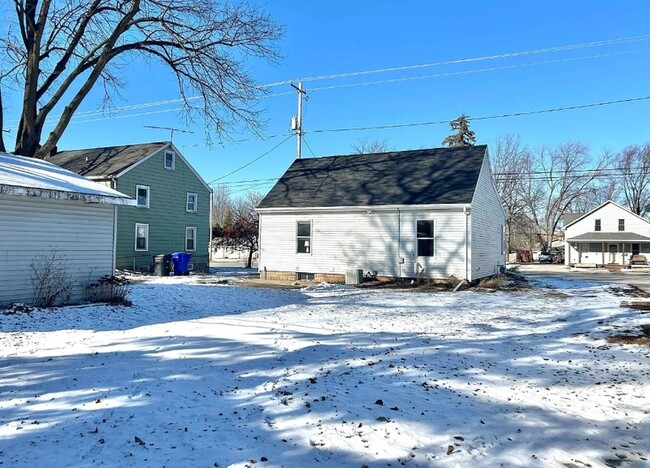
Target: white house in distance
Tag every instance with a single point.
(45, 208)
(430, 213)
(607, 235)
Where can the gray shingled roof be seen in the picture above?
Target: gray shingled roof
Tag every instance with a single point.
(108, 161)
(568, 218)
(417, 177)
(609, 237)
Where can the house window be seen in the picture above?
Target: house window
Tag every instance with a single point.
(141, 237)
(304, 237)
(621, 225)
(142, 196)
(190, 238)
(425, 238)
(170, 160)
(597, 225)
(190, 202)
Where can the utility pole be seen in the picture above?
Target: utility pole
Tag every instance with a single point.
(296, 122)
(171, 130)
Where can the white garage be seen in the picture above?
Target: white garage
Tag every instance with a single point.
(53, 224)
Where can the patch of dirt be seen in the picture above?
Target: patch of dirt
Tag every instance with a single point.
(503, 282)
(641, 336)
(629, 290)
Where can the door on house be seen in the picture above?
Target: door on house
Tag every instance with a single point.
(613, 250)
(635, 249)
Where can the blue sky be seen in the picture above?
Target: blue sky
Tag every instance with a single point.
(339, 37)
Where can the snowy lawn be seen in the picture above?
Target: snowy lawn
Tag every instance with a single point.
(217, 375)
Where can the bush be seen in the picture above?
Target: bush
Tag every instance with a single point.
(50, 279)
(110, 289)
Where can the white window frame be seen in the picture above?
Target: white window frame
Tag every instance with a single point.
(146, 239)
(187, 230)
(137, 188)
(173, 166)
(311, 235)
(433, 238)
(187, 202)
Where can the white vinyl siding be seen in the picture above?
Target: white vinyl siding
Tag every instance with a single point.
(485, 223)
(32, 227)
(357, 239)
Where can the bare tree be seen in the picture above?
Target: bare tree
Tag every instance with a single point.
(510, 161)
(463, 136)
(57, 51)
(221, 205)
(561, 175)
(634, 164)
(366, 146)
(241, 228)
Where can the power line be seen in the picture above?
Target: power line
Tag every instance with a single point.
(249, 163)
(489, 117)
(583, 45)
(468, 72)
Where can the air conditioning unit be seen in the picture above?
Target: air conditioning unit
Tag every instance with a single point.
(354, 276)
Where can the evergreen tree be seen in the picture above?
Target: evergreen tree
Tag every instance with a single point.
(463, 136)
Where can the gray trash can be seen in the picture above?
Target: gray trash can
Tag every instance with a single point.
(161, 264)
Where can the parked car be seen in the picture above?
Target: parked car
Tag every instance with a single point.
(546, 257)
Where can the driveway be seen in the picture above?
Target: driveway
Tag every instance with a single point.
(640, 279)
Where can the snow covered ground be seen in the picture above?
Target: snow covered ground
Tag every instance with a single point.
(219, 375)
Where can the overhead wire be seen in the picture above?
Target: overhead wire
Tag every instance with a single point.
(250, 162)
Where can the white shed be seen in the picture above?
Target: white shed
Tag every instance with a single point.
(607, 235)
(46, 209)
(431, 213)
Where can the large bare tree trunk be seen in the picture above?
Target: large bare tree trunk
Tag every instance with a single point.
(58, 51)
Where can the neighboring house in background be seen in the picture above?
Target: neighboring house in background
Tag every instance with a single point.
(172, 212)
(431, 213)
(607, 235)
(223, 253)
(45, 209)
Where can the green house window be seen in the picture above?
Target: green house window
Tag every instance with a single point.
(141, 237)
(142, 196)
(190, 238)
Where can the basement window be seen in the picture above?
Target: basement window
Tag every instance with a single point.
(424, 230)
(303, 238)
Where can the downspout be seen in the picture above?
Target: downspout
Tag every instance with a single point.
(399, 242)
(210, 229)
(466, 243)
(115, 212)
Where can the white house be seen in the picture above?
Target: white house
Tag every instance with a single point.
(43, 209)
(431, 213)
(607, 235)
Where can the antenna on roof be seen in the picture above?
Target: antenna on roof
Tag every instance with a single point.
(171, 130)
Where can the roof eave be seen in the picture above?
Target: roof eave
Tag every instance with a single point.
(365, 208)
(33, 192)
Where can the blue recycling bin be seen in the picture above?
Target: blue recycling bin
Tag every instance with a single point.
(180, 262)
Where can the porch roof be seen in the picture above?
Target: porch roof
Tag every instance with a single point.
(609, 237)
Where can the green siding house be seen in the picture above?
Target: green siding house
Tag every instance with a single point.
(172, 213)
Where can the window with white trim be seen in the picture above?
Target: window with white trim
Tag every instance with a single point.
(170, 160)
(425, 238)
(142, 196)
(141, 237)
(190, 202)
(190, 238)
(303, 237)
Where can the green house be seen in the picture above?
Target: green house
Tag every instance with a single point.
(173, 207)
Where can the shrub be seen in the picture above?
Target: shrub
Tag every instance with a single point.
(50, 279)
(110, 289)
